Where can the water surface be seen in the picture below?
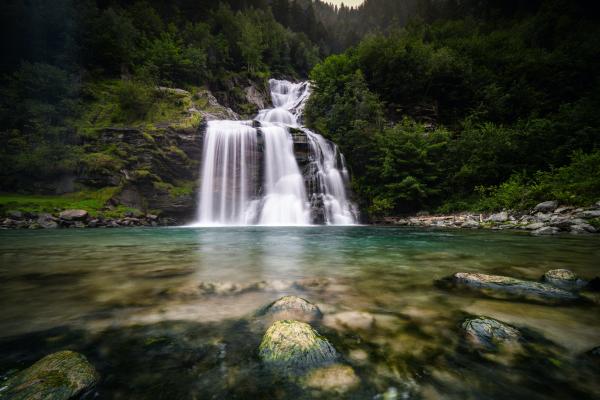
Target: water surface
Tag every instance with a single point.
(170, 312)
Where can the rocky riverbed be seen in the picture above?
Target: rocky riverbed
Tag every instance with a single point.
(322, 353)
(547, 218)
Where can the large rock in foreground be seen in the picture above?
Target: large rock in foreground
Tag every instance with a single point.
(488, 334)
(505, 287)
(294, 347)
(58, 376)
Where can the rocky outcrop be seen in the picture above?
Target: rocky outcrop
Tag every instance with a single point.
(294, 347)
(504, 287)
(67, 220)
(58, 376)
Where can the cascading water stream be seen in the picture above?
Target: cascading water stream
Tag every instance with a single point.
(234, 192)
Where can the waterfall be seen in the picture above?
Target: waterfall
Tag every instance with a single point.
(228, 173)
(234, 191)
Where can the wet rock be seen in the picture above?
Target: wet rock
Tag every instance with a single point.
(591, 214)
(58, 376)
(499, 217)
(534, 226)
(47, 221)
(292, 307)
(353, 320)
(505, 287)
(489, 334)
(546, 206)
(563, 279)
(73, 215)
(335, 378)
(14, 214)
(292, 347)
(470, 223)
(546, 230)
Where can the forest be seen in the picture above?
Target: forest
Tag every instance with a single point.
(438, 105)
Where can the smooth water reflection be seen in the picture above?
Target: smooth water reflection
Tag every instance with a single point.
(109, 293)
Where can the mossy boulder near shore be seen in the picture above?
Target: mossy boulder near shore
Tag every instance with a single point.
(504, 287)
(294, 347)
(58, 376)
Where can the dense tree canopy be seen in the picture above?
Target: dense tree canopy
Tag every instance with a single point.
(474, 108)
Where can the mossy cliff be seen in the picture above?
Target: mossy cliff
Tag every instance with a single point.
(139, 150)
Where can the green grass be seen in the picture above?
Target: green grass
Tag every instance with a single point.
(92, 201)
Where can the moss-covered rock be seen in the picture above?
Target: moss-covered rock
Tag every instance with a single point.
(292, 307)
(58, 376)
(292, 347)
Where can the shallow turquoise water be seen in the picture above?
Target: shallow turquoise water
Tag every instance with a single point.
(129, 300)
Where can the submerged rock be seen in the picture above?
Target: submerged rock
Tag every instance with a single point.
(295, 347)
(335, 378)
(488, 334)
(354, 320)
(506, 287)
(563, 279)
(58, 376)
(292, 307)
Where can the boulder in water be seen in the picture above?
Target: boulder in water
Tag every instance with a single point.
(292, 307)
(563, 279)
(488, 334)
(293, 347)
(58, 376)
(505, 287)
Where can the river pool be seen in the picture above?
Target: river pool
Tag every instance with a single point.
(170, 313)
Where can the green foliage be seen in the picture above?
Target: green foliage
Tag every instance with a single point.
(92, 201)
(577, 183)
(477, 113)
